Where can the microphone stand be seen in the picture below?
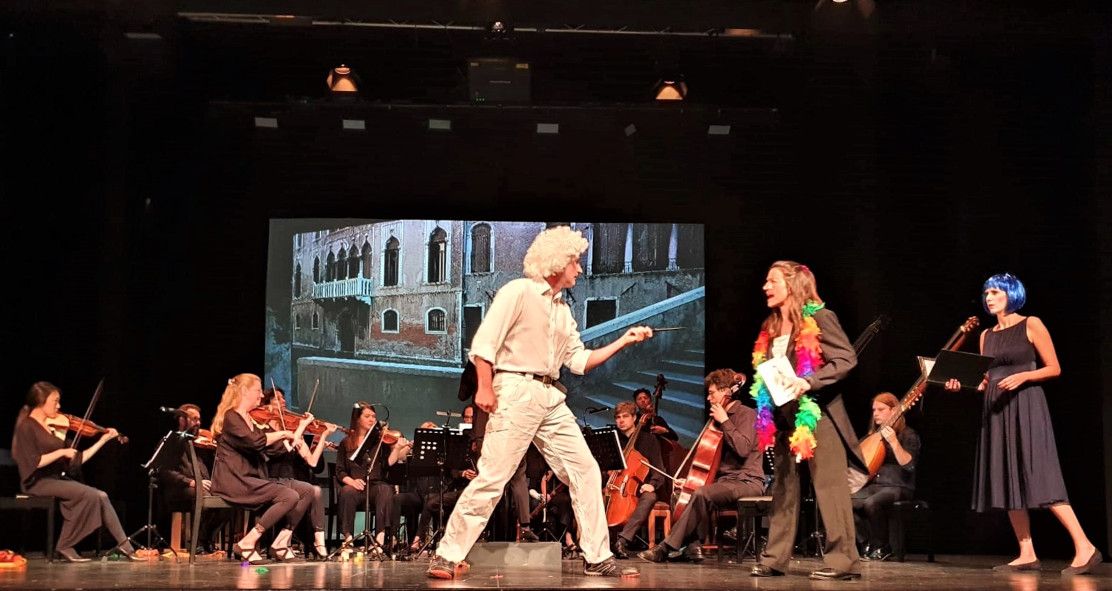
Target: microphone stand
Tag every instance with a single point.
(152, 466)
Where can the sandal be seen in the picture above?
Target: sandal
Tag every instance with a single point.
(249, 555)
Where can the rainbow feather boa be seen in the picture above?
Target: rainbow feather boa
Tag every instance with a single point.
(808, 358)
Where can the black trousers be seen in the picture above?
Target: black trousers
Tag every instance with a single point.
(640, 515)
(871, 506)
(351, 502)
(694, 524)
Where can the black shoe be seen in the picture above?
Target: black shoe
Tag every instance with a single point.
(694, 552)
(526, 535)
(880, 553)
(658, 553)
(1093, 561)
(829, 574)
(763, 570)
(620, 551)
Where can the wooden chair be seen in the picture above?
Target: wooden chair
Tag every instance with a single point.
(661, 511)
(205, 502)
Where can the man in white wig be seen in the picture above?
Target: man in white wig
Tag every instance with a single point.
(527, 334)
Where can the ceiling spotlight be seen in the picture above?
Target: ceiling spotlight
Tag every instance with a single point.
(342, 82)
(499, 31)
(670, 89)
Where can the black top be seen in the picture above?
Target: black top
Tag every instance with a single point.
(175, 477)
(891, 473)
(31, 442)
(658, 420)
(358, 469)
(239, 473)
(741, 460)
(647, 446)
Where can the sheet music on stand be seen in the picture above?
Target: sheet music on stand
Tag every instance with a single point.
(605, 447)
(430, 445)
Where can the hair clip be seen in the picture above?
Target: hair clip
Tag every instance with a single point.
(231, 381)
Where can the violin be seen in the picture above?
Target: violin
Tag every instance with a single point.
(63, 422)
(204, 439)
(290, 420)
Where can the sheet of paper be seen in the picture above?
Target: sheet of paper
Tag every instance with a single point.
(778, 376)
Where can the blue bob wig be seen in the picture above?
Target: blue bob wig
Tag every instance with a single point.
(1010, 285)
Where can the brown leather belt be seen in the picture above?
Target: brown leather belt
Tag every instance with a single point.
(546, 380)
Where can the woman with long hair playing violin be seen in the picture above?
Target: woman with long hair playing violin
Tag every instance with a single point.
(293, 467)
(367, 470)
(803, 330)
(43, 460)
(239, 472)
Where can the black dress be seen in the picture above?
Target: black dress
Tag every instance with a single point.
(1017, 460)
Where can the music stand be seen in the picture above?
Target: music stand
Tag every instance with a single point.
(169, 448)
(433, 449)
(605, 447)
(366, 535)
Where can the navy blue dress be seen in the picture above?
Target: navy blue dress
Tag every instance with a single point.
(1017, 461)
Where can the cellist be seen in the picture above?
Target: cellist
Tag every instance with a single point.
(740, 472)
(646, 445)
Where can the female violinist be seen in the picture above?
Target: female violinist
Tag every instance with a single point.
(367, 470)
(239, 473)
(43, 459)
(739, 472)
(804, 332)
(294, 467)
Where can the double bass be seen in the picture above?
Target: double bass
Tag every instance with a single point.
(872, 447)
(624, 488)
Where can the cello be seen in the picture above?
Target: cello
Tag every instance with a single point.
(702, 461)
(623, 489)
(872, 446)
(672, 454)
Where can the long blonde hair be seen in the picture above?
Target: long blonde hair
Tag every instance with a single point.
(801, 289)
(233, 392)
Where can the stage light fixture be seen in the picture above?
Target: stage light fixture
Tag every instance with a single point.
(671, 89)
(342, 82)
(499, 31)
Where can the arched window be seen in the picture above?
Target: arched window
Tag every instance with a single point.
(480, 248)
(390, 321)
(297, 281)
(390, 262)
(436, 321)
(330, 267)
(341, 264)
(353, 262)
(438, 256)
(316, 269)
(316, 321)
(366, 260)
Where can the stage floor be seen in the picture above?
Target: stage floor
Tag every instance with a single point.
(950, 572)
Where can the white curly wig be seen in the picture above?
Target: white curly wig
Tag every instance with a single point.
(552, 250)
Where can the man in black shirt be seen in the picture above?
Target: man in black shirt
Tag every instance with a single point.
(740, 473)
(658, 426)
(646, 445)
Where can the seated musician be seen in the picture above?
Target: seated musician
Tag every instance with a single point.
(740, 472)
(44, 461)
(437, 504)
(895, 481)
(648, 447)
(239, 474)
(294, 466)
(660, 427)
(409, 500)
(177, 483)
(365, 477)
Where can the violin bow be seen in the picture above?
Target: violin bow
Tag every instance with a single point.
(88, 412)
(313, 396)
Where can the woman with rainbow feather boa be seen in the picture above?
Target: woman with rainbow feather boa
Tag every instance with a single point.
(809, 335)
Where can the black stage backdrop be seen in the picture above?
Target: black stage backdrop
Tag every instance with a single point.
(137, 194)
